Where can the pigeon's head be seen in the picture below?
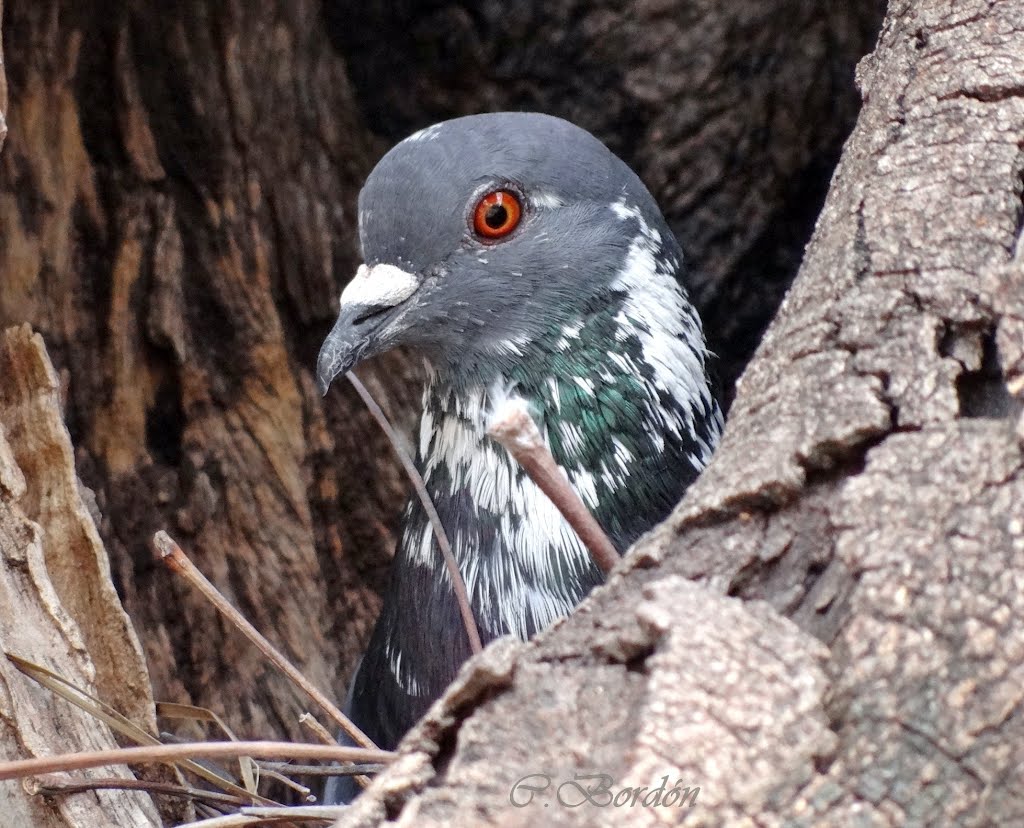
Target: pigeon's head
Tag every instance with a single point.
(484, 236)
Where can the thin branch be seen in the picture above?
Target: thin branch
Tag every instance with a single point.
(303, 791)
(341, 769)
(327, 813)
(196, 750)
(178, 561)
(117, 722)
(458, 585)
(513, 427)
(268, 816)
(231, 821)
(190, 712)
(57, 787)
(310, 722)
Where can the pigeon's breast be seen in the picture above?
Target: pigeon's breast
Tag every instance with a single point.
(523, 564)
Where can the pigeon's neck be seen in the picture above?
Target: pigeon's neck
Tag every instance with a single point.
(620, 392)
(622, 400)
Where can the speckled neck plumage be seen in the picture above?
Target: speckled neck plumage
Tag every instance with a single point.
(622, 398)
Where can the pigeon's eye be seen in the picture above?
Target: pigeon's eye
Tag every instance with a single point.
(497, 214)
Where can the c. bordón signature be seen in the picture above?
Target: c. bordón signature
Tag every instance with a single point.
(599, 789)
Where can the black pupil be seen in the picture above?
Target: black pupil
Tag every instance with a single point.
(496, 216)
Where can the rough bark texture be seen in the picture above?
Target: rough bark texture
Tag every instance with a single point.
(176, 203)
(176, 193)
(57, 603)
(869, 488)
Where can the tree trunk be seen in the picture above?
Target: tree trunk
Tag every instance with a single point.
(175, 201)
(58, 608)
(829, 628)
(176, 218)
(851, 650)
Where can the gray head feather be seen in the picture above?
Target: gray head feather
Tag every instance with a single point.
(475, 296)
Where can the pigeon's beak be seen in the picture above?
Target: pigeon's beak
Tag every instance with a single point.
(364, 306)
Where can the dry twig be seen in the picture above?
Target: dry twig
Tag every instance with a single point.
(178, 561)
(49, 786)
(117, 722)
(339, 769)
(310, 722)
(513, 427)
(458, 584)
(194, 750)
(270, 816)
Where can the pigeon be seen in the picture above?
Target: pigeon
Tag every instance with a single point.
(520, 258)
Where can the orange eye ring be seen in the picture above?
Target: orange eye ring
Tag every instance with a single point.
(497, 214)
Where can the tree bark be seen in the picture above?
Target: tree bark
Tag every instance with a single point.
(829, 630)
(176, 219)
(58, 608)
(177, 194)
